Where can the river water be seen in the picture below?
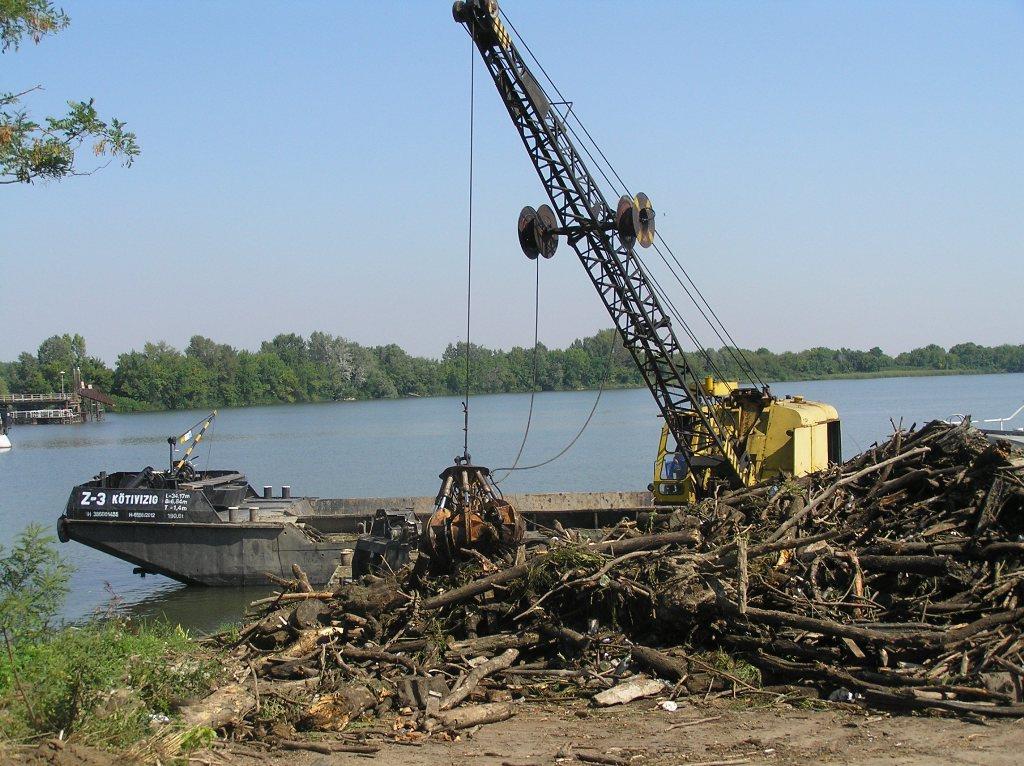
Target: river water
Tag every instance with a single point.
(397, 447)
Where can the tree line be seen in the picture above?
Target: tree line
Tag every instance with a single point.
(325, 367)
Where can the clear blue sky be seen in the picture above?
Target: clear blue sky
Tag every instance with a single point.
(841, 174)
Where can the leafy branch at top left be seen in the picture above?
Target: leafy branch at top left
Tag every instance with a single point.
(31, 149)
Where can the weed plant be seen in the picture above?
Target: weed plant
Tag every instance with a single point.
(103, 683)
(106, 682)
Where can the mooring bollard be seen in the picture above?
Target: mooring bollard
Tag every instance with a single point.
(234, 514)
(254, 511)
(268, 492)
(286, 491)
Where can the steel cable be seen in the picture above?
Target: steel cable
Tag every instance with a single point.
(728, 343)
(469, 248)
(536, 369)
(597, 401)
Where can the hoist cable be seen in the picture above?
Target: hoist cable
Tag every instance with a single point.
(469, 249)
(676, 315)
(583, 145)
(536, 372)
(597, 401)
(721, 324)
(741, 360)
(660, 291)
(564, 100)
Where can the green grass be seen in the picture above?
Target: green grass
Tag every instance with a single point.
(726, 663)
(546, 571)
(100, 683)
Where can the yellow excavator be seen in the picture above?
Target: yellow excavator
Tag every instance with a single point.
(777, 438)
(717, 434)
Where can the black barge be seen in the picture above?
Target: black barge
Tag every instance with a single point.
(213, 528)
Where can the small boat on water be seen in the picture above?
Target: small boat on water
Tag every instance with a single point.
(5, 423)
(1014, 434)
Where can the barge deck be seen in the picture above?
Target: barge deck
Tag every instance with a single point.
(217, 531)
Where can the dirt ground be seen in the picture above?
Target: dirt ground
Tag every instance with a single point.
(722, 733)
(645, 735)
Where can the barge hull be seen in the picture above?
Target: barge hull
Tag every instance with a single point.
(210, 554)
(179, 534)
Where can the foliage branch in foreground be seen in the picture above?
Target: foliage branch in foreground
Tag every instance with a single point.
(31, 149)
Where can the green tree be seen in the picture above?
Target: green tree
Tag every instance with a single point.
(326, 367)
(62, 353)
(332, 357)
(190, 385)
(972, 356)
(576, 367)
(149, 377)
(408, 374)
(27, 376)
(220, 362)
(290, 348)
(264, 379)
(930, 357)
(48, 149)
(33, 584)
(1007, 358)
(279, 381)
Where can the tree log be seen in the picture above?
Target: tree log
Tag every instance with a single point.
(355, 653)
(476, 675)
(661, 663)
(474, 715)
(615, 547)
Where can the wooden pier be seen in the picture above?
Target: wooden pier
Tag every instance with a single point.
(79, 405)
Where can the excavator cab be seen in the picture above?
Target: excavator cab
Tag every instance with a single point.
(779, 437)
(673, 483)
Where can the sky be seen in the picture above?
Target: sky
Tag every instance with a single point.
(830, 174)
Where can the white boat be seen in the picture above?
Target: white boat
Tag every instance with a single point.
(1014, 435)
(5, 440)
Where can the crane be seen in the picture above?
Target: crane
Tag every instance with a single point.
(715, 433)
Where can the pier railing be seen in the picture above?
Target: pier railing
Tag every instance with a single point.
(62, 415)
(77, 404)
(52, 397)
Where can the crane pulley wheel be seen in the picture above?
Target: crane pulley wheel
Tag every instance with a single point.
(538, 231)
(634, 220)
(645, 213)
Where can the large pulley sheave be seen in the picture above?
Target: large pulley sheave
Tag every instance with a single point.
(634, 220)
(538, 231)
(634, 223)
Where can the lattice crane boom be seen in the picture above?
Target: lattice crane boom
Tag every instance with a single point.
(603, 240)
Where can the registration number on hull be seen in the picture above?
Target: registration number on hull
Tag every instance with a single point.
(128, 505)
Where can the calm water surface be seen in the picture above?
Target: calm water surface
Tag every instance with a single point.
(358, 449)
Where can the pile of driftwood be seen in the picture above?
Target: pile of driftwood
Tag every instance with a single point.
(896, 579)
